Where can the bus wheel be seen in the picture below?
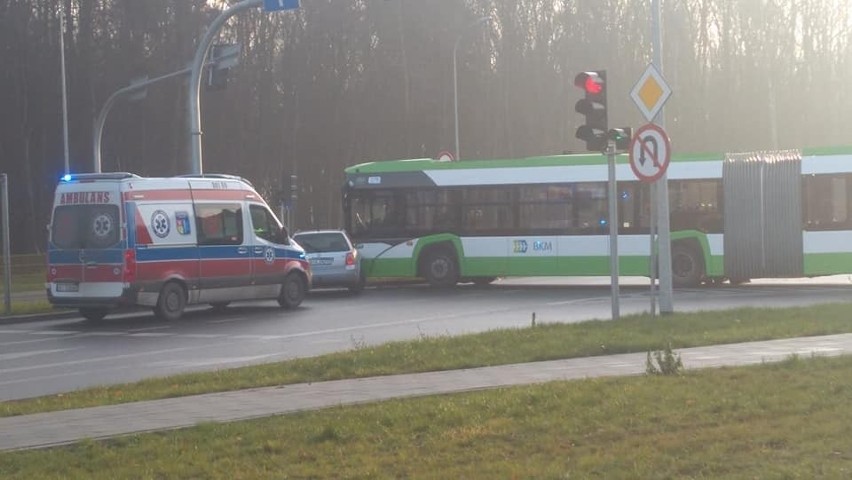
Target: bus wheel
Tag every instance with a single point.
(687, 266)
(293, 291)
(440, 269)
(93, 314)
(171, 303)
(483, 281)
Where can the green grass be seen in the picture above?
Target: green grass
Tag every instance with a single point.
(26, 282)
(28, 273)
(779, 421)
(28, 276)
(639, 333)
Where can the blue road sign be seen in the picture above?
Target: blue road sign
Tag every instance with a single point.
(275, 5)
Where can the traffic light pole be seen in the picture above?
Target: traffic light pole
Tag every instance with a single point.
(613, 228)
(193, 109)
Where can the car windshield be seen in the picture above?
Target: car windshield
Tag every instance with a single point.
(322, 242)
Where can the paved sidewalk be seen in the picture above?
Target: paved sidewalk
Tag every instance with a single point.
(57, 428)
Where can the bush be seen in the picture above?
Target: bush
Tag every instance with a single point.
(663, 363)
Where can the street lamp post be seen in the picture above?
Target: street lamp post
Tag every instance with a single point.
(476, 23)
(64, 90)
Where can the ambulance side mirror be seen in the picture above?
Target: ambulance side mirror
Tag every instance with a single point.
(283, 237)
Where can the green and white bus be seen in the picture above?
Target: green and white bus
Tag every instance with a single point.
(735, 217)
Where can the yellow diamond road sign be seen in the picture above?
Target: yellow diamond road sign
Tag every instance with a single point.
(650, 93)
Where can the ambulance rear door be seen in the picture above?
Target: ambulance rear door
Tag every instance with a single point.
(86, 245)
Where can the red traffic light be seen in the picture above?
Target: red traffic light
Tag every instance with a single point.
(590, 82)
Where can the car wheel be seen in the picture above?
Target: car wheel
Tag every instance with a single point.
(440, 269)
(293, 291)
(93, 314)
(687, 267)
(359, 286)
(171, 303)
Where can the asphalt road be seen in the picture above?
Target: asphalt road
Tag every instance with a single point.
(52, 356)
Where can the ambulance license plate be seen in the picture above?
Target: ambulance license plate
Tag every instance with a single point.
(67, 287)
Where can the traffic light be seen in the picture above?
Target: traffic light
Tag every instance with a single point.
(622, 137)
(223, 57)
(593, 107)
(217, 79)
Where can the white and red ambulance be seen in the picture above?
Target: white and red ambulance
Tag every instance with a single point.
(118, 239)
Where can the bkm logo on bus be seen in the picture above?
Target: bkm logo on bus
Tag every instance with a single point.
(522, 246)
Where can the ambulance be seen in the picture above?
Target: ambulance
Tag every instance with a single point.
(121, 240)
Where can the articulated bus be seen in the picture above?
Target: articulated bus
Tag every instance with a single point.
(733, 217)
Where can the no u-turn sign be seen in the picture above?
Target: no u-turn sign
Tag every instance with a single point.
(650, 153)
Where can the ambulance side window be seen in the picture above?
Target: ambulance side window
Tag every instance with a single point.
(266, 226)
(219, 224)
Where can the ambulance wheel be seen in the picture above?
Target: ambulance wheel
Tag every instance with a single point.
(293, 291)
(171, 303)
(219, 306)
(93, 314)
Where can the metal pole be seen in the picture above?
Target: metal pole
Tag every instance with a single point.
(98, 131)
(613, 228)
(664, 235)
(194, 111)
(64, 93)
(7, 256)
(456, 78)
(653, 256)
(456, 97)
(294, 195)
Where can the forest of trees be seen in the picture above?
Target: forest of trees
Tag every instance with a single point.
(340, 82)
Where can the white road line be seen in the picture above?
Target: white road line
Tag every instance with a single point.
(13, 356)
(22, 342)
(53, 332)
(226, 320)
(112, 358)
(146, 329)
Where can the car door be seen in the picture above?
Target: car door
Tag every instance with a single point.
(268, 256)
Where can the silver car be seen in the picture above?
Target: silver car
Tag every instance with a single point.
(334, 260)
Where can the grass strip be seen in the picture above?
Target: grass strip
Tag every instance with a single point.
(26, 282)
(637, 333)
(785, 420)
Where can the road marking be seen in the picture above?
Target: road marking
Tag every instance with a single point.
(226, 320)
(161, 327)
(13, 356)
(53, 332)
